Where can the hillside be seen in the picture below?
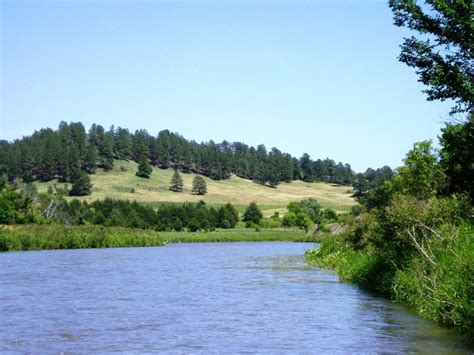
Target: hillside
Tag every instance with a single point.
(119, 182)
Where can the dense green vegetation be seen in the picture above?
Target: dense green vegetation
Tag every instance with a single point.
(413, 238)
(20, 204)
(65, 152)
(39, 237)
(239, 235)
(45, 237)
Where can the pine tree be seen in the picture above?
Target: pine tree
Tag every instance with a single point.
(89, 161)
(176, 182)
(199, 185)
(144, 168)
(74, 163)
(252, 214)
(81, 185)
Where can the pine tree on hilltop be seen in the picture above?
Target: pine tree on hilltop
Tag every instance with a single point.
(176, 182)
(199, 185)
(144, 168)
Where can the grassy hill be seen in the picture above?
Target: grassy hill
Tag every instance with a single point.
(121, 183)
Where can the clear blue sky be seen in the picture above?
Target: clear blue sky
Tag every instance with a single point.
(320, 77)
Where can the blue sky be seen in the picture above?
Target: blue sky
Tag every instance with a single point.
(320, 77)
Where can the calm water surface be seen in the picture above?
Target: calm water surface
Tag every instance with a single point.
(197, 298)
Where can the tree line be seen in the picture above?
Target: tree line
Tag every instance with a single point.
(69, 153)
(20, 203)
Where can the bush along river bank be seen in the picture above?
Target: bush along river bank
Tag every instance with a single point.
(39, 237)
(417, 253)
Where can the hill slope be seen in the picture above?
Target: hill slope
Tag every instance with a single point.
(118, 183)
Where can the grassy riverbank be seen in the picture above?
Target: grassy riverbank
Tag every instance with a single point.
(40, 237)
(238, 235)
(439, 285)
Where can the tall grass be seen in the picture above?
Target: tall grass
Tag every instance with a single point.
(440, 288)
(39, 237)
(238, 235)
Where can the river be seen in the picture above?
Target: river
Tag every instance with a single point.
(197, 298)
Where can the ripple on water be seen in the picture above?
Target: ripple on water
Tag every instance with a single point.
(197, 298)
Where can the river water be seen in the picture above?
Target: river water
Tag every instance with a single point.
(197, 298)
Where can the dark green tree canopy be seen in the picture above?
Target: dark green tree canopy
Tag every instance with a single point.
(176, 182)
(61, 153)
(144, 168)
(252, 214)
(443, 55)
(199, 185)
(81, 185)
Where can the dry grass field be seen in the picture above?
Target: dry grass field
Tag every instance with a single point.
(121, 183)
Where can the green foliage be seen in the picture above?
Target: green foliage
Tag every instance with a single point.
(199, 185)
(303, 221)
(16, 205)
(227, 216)
(144, 168)
(310, 207)
(48, 154)
(39, 237)
(457, 157)
(89, 163)
(269, 223)
(81, 185)
(421, 176)
(329, 214)
(176, 182)
(442, 54)
(252, 214)
(194, 225)
(289, 219)
(237, 235)
(420, 252)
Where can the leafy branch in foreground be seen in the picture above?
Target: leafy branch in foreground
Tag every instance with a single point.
(443, 57)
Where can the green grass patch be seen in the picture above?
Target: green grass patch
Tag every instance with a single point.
(238, 235)
(44, 237)
(41, 237)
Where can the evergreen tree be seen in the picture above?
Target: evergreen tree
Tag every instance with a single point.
(81, 185)
(144, 168)
(106, 151)
(89, 161)
(199, 185)
(74, 163)
(123, 144)
(176, 182)
(227, 216)
(252, 214)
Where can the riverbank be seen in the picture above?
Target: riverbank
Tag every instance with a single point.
(438, 286)
(43, 237)
(39, 237)
(239, 235)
